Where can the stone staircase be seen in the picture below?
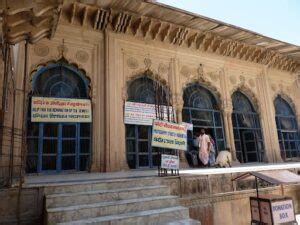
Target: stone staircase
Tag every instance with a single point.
(114, 202)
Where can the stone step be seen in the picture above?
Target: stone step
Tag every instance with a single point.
(155, 216)
(80, 212)
(89, 197)
(80, 186)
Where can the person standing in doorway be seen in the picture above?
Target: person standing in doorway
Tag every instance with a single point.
(204, 147)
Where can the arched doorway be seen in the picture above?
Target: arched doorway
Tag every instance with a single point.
(287, 129)
(202, 110)
(139, 152)
(58, 146)
(246, 127)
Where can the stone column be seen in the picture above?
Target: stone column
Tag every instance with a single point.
(178, 107)
(267, 118)
(297, 96)
(228, 128)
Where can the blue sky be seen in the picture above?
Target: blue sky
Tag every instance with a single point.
(279, 19)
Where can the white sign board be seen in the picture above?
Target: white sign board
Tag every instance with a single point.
(170, 162)
(143, 114)
(272, 212)
(61, 110)
(283, 211)
(188, 126)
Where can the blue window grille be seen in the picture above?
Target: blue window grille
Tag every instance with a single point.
(139, 152)
(202, 110)
(287, 129)
(58, 146)
(246, 128)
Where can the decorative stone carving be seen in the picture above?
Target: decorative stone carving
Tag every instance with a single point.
(200, 70)
(68, 61)
(162, 68)
(207, 84)
(148, 73)
(287, 97)
(273, 87)
(82, 56)
(62, 49)
(214, 76)
(132, 63)
(147, 63)
(232, 79)
(41, 50)
(251, 83)
(131, 23)
(185, 71)
(249, 93)
(242, 79)
(178, 102)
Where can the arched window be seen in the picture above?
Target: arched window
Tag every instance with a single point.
(138, 137)
(58, 146)
(201, 109)
(247, 131)
(287, 129)
(143, 90)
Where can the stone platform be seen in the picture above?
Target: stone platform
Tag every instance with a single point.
(57, 179)
(138, 196)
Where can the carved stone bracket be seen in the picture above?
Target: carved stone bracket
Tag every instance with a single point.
(154, 29)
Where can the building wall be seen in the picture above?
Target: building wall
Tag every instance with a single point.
(179, 66)
(111, 60)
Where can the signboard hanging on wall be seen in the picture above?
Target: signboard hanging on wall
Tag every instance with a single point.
(61, 110)
(143, 114)
(169, 135)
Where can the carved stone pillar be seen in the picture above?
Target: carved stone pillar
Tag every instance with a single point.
(297, 98)
(231, 135)
(228, 128)
(225, 124)
(178, 108)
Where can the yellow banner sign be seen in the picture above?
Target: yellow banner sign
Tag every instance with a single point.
(61, 110)
(169, 135)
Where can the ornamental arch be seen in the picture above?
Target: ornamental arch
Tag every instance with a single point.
(202, 108)
(248, 137)
(143, 89)
(58, 146)
(287, 128)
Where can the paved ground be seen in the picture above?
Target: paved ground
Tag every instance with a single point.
(37, 180)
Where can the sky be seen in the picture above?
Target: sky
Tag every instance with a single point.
(278, 19)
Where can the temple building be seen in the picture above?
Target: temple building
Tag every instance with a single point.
(241, 86)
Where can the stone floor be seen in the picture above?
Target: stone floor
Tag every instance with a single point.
(45, 180)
